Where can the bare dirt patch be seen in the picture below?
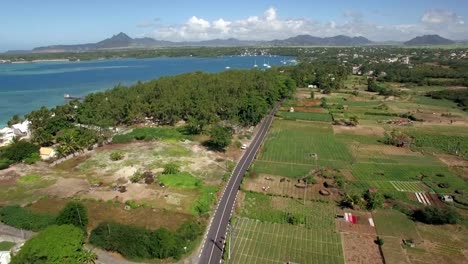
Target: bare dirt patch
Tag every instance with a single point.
(362, 227)
(286, 187)
(360, 249)
(99, 212)
(348, 175)
(66, 187)
(360, 130)
(453, 161)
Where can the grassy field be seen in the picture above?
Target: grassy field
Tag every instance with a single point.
(263, 242)
(309, 116)
(290, 146)
(6, 245)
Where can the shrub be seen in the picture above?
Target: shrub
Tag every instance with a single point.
(136, 177)
(19, 151)
(75, 214)
(443, 185)
(137, 243)
(4, 164)
(379, 241)
(436, 216)
(35, 157)
(117, 155)
(220, 137)
(171, 168)
(374, 200)
(22, 218)
(56, 244)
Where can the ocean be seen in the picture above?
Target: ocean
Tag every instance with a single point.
(26, 87)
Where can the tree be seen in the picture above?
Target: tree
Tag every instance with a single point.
(55, 245)
(16, 119)
(374, 200)
(18, 151)
(312, 94)
(75, 214)
(436, 216)
(42, 137)
(220, 137)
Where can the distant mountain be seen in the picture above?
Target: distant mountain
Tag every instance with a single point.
(308, 40)
(123, 41)
(429, 40)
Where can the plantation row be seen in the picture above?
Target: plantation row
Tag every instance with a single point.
(257, 242)
(291, 211)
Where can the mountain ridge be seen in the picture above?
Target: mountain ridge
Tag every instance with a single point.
(123, 41)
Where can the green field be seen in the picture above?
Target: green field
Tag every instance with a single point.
(291, 144)
(261, 242)
(325, 117)
(311, 215)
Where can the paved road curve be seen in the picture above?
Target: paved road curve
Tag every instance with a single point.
(212, 250)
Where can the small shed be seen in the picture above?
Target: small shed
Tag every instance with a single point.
(47, 153)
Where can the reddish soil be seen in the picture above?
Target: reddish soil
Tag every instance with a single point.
(360, 249)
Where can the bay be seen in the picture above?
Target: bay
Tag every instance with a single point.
(26, 87)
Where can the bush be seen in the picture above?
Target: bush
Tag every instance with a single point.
(436, 216)
(117, 155)
(220, 137)
(136, 177)
(171, 168)
(56, 244)
(75, 214)
(138, 243)
(374, 200)
(19, 151)
(4, 164)
(35, 157)
(22, 218)
(379, 241)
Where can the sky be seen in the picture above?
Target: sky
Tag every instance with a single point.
(25, 24)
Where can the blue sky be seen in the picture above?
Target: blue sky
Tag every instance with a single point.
(29, 23)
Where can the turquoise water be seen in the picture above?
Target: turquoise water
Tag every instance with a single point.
(25, 87)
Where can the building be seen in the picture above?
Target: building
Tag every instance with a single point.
(47, 153)
(21, 129)
(6, 135)
(5, 257)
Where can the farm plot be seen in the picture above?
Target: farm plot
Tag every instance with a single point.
(259, 242)
(374, 171)
(404, 186)
(267, 208)
(296, 142)
(310, 116)
(284, 187)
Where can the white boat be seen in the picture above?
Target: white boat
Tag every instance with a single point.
(227, 67)
(255, 65)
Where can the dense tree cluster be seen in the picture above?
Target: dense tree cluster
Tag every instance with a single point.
(56, 244)
(436, 216)
(240, 96)
(328, 76)
(458, 96)
(138, 243)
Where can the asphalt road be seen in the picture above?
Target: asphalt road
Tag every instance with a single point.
(212, 250)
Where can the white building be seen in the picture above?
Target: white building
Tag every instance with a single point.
(21, 129)
(6, 135)
(5, 257)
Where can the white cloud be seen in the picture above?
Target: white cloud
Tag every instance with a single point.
(439, 17)
(270, 26)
